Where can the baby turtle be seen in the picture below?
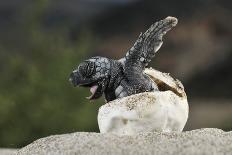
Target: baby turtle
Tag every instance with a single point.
(120, 78)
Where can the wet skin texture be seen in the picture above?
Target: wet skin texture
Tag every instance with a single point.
(124, 77)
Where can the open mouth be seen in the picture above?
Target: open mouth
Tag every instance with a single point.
(95, 87)
(93, 90)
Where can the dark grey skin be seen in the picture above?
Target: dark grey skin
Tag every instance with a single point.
(120, 78)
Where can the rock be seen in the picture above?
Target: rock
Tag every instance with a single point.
(201, 141)
(163, 111)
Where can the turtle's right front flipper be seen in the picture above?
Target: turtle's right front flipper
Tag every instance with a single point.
(147, 45)
(138, 57)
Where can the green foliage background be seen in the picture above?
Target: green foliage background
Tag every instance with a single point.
(36, 98)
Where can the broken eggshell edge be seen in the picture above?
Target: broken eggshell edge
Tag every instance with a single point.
(161, 111)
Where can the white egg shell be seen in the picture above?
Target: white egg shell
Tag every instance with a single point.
(162, 111)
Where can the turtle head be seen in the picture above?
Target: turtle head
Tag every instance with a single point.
(92, 73)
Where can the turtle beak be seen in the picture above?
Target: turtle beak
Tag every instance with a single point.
(78, 80)
(73, 78)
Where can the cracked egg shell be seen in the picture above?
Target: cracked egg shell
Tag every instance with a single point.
(165, 110)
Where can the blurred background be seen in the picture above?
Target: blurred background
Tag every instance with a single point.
(42, 41)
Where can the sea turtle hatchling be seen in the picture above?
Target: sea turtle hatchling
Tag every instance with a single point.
(120, 78)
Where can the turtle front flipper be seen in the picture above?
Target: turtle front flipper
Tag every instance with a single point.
(145, 47)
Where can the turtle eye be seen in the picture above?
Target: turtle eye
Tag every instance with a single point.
(87, 68)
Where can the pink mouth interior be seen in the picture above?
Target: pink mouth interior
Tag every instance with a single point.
(93, 90)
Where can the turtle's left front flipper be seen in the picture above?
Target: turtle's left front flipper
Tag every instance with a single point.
(147, 45)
